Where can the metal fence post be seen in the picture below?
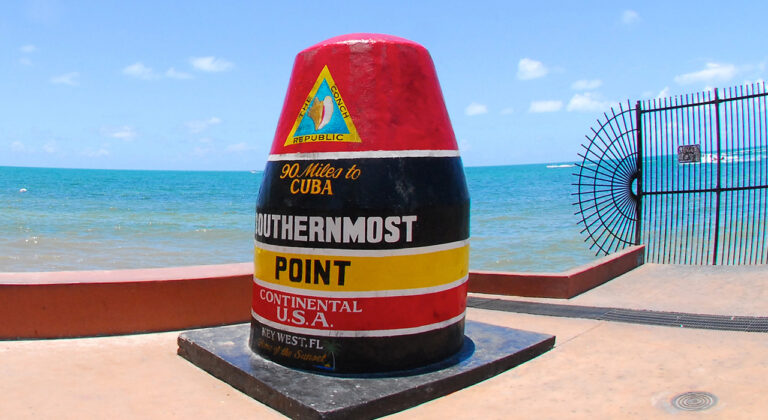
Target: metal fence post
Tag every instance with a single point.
(718, 187)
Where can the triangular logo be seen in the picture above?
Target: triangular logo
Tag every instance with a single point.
(323, 116)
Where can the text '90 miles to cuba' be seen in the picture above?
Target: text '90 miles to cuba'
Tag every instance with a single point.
(315, 178)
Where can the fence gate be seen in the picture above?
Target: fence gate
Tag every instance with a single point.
(686, 176)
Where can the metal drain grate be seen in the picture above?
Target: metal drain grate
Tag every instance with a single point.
(694, 401)
(683, 320)
(634, 316)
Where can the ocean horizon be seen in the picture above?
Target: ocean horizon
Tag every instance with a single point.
(54, 219)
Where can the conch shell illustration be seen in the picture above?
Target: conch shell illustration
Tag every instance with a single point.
(321, 112)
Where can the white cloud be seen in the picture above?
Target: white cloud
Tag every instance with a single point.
(174, 74)
(125, 132)
(545, 106)
(664, 93)
(239, 147)
(753, 82)
(201, 151)
(96, 153)
(629, 17)
(50, 147)
(18, 146)
(201, 125)
(507, 111)
(585, 84)
(588, 102)
(140, 71)
(712, 72)
(210, 64)
(528, 69)
(475, 109)
(70, 79)
(26, 49)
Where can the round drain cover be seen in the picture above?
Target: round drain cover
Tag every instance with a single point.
(694, 401)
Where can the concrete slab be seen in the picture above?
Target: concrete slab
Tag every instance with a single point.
(116, 378)
(488, 350)
(718, 290)
(714, 290)
(603, 370)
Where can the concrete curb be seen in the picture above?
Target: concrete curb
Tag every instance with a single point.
(563, 285)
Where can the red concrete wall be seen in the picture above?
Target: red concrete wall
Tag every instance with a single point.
(563, 285)
(88, 303)
(92, 303)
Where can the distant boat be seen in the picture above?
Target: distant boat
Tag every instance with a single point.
(565, 165)
(714, 158)
(23, 190)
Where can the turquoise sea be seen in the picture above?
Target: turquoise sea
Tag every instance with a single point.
(76, 219)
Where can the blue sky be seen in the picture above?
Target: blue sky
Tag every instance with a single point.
(200, 84)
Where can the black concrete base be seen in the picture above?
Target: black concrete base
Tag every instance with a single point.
(488, 350)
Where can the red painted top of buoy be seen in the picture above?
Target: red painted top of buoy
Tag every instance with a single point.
(364, 37)
(385, 85)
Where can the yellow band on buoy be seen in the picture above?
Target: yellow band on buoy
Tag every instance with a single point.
(366, 272)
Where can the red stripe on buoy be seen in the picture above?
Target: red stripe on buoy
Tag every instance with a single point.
(358, 313)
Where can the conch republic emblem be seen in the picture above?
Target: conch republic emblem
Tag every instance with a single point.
(323, 116)
(362, 220)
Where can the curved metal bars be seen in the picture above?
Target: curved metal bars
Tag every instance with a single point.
(605, 188)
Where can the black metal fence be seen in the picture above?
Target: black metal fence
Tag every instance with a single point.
(686, 176)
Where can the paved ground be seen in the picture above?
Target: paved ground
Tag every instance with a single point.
(597, 370)
(718, 290)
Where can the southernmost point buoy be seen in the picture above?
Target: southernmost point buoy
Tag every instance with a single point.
(362, 220)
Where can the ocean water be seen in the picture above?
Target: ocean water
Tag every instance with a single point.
(76, 219)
